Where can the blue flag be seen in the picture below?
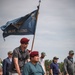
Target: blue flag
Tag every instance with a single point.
(25, 25)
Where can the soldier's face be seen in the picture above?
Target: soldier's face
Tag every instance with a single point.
(36, 58)
(10, 55)
(42, 56)
(56, 60)
(71, 55)
(24, 45)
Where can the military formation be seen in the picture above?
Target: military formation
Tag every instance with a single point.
(26, 62)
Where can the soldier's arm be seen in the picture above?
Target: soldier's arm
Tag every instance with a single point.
(51, 71)
(4, 67)
(15, 59)
(65, 66)
(17, 66)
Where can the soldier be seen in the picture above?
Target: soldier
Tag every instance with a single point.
(20, 56)
(33, 67)
(42, 62)
(54, 67)
(69, 64)
(7, 63)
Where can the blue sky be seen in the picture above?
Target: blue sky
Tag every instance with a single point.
(55, 32)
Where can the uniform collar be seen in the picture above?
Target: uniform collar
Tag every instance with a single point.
(21, 50)
(69, 57)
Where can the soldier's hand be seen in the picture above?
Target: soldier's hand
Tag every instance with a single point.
(67, 74)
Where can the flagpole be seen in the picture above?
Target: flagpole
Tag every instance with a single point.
(36, 25)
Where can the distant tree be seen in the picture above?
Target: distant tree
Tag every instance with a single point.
(61, 66)
(47, 64)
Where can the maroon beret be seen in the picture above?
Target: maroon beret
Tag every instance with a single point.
(24, 40)
(29, 51)
(34, 53)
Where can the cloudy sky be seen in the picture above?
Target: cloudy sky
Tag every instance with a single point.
(55, 32)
